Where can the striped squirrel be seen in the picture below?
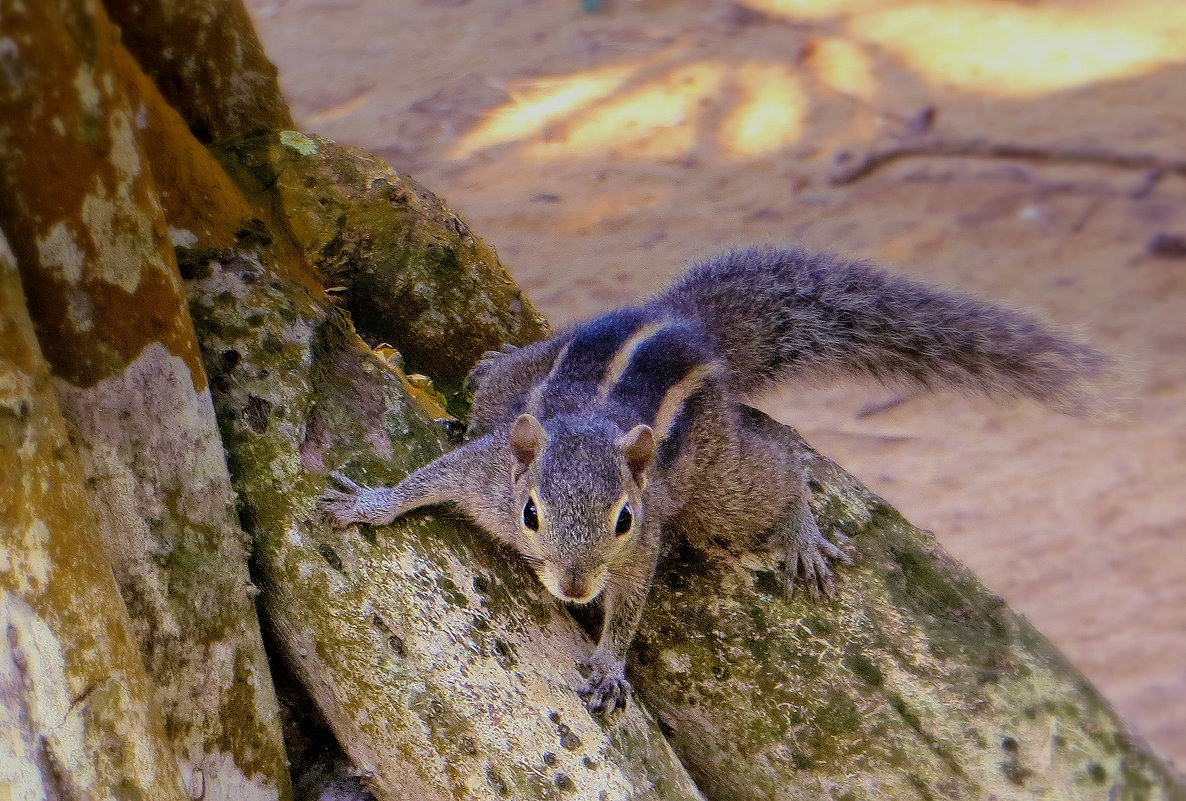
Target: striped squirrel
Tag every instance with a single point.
(587, 448)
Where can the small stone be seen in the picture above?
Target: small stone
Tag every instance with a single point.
(1167, 246)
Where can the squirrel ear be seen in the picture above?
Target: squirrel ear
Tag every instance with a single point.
(527, 440)
(638, 446)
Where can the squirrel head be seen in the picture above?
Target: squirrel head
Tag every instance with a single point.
(577, 485)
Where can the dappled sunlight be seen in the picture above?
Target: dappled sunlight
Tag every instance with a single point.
(762, 104)
(1019, 49)
(667, 105)
(542, 103)
(769, 114)
(817, 9)
(657, 119)
(1024, 50)
(843, 66)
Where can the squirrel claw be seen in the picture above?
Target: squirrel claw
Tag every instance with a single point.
(343, 481)
(485, 362)
(354, 503)
(809, 555)
(607, 689)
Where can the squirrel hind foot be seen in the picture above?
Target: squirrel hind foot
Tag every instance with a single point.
(808, 557)
(338, 505)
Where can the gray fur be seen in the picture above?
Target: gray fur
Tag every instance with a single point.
(643, 408)
(785, 314)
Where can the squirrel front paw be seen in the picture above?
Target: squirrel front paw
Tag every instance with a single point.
(355, 503)
(479, 371)
(607, 689)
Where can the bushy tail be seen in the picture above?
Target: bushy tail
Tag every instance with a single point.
(777, 314)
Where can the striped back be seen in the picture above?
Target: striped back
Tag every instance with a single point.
(634, 365)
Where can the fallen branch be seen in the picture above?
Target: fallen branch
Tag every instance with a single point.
(1155, 166)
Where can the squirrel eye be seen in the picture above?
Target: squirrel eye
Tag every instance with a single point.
(530, 515)
(625, 520)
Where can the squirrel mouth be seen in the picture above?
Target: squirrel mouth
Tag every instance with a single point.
(581, 599)
(578, 591)
(570, 586)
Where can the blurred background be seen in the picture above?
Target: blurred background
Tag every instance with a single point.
(601, 151)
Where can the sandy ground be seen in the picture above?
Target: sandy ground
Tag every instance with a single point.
(600, 152)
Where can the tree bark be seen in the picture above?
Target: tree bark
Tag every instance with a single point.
(75, 703)
(94, 250)
(444, 668)
(206, 59)
(203, 207)
(914, 682)
(409, 271)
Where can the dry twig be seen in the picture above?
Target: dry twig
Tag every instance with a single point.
(983, 148)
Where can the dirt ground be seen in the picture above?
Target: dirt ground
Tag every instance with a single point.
(600, 152)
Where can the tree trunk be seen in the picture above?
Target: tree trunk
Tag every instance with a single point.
(75, 704)
(206, 59)
(442, 666)
(107, 302)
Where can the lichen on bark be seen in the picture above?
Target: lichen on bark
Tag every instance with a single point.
(408, 270)
(103, 289)
(75, 702)
(90, 215)
(203, 208)
(913, 682)
(444, 668)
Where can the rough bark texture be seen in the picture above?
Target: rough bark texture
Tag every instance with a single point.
(443, 667)
(77, 197)
(208, 62)
(75, 704)
(202, 206)
(92, 245)
(410, 272)
(439, 660)
(914, 682)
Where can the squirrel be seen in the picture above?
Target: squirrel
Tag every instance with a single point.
(588, 448)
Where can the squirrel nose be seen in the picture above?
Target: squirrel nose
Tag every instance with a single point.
(575, 586)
